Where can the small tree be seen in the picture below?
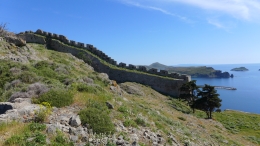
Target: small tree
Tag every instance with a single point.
(188, 93)
(208, 100)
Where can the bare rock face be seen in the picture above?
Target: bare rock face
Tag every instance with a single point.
(15, 40)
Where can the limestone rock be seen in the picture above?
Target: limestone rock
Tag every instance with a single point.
(109, 105)
(75, 121)
(51, 129)
(15, 40)
(131, 89)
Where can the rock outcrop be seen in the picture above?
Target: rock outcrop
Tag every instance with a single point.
(20, 109)
(15, 40)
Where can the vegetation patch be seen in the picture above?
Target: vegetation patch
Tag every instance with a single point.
(31, 135)
(56, 97)
(97, 116)
(241, 123)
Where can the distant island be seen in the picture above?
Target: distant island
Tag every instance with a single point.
(239, 69)
(195, 72)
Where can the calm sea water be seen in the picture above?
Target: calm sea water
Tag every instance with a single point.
(247, 96)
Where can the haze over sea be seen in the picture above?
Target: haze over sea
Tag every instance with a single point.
(247, 96)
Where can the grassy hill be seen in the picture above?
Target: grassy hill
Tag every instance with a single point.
(137, 109)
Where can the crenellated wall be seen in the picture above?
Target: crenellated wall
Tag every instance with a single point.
(161, 81)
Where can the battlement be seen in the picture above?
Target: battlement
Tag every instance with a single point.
(105, 57)
(162, 81)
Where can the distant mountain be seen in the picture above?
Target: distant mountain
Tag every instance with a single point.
(159, 66)
(198, 71)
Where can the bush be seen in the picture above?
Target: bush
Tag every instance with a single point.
(37, 127)
(87, 88)
(98, 120)
(56, 97)
(43, 112)
(61, 140)
(123, 109)
(129, 123)
(36, 89)
(140, 122)
(28, 77)
(181, 118)
(18, 95)
(45, 64)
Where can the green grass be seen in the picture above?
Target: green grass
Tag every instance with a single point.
(32, 130)
(245, 124)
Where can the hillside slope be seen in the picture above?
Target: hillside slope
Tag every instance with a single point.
(140, 115)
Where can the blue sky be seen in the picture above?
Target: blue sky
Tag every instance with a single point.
(142, 32)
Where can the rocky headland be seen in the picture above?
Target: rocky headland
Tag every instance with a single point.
(195, 72)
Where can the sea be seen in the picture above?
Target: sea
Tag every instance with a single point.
(247, 96)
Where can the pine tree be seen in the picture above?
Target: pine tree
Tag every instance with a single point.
(188, 93)
(208, 100)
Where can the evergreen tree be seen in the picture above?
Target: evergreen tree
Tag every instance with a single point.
(188, 93)
(208, 100)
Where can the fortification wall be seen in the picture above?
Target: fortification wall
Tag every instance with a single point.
(160, 81)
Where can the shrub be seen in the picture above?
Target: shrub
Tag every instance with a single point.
(140, 122)
(81, 87)
(123, 109)
(18, 95)
(45, 64)
(56, 97)
(28, 77)
(37, 127)
(61, 140)
(36, 89)
(181, 118)
(129, 123)
(98, 120)
(43, 112)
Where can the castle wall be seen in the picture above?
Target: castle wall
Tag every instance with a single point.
(160, 81)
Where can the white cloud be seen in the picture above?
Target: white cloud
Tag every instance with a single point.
(137, 4)
(239, 9)
(244, 9)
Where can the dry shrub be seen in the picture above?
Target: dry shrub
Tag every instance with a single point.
(37, 89)
(18, 95)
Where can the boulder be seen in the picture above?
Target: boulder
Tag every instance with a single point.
(131, 89)
(109, 105)
(75, 121)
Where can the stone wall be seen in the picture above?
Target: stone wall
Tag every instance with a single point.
(161, 81)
